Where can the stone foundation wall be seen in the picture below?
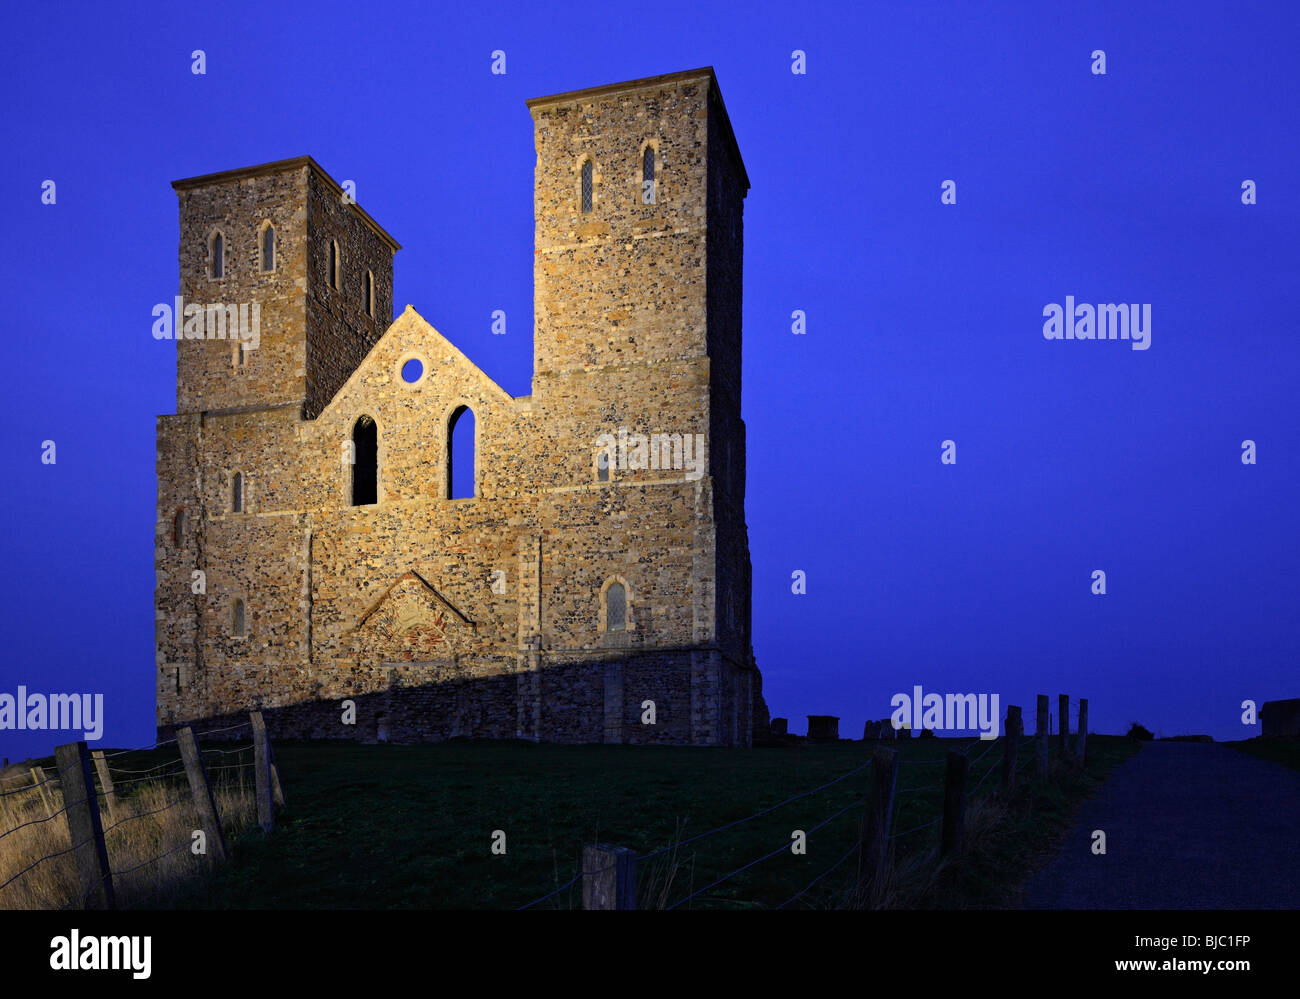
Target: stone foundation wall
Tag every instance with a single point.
(594, 701)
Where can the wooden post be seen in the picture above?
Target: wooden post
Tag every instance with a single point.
(38, 775)
(1015, 726)
(276, 794)
(201, 792)
(954, 803)
(262, 774)
(1040, 735)
(106, 782)
(86, 831)
(873, 853)
(608, 877)
(1063, 726)
(1081, 743)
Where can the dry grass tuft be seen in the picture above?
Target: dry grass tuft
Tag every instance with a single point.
(148, 841)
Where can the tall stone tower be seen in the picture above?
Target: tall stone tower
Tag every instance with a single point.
(638, 202)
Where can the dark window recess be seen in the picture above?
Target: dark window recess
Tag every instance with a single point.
(365, 465)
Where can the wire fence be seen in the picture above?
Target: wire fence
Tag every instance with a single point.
(983, 758)
(144, 817)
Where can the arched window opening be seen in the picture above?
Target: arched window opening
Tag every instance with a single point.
(370, 294)
(460, 454)
(365, 462)
(237, 623)
(268, 248)
(616, 608)
(237, 493)
(178, 528)
(217, 255)
(334, 264)
(648, 176)
(586, 185)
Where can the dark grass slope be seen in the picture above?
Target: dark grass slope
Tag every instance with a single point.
(412, 826)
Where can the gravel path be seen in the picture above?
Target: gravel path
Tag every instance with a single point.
(1188, 826)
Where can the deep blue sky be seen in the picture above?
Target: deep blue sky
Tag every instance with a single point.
(925, 320)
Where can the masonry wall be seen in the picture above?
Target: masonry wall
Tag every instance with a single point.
(208, 375)
(340, 330)
(624, 283)
(482, 616)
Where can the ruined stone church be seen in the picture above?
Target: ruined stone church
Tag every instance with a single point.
(593, 582)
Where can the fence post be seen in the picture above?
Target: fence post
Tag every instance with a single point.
(201, 792)
(1040, 735)
(1063, 726)
(954, 803)
(85, 830)
(105, 781)
(608, 877)
(873, 853)
(1081, 743)
(1014, 727)
(262, 773)
(38, 775)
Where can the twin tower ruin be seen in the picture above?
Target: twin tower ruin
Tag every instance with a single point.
(591, 585)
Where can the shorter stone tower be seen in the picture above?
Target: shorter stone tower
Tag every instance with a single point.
(322, 279)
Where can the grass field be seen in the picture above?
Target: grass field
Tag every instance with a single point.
(412, 826)
(1284, 751)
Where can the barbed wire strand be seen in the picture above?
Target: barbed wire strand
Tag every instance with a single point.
(154, 860)
(141, 815)
(986, 752)
(119, 770)
(145, 780)
(537, 901)
(851, 850)
(765, 811)
(48, 856)
(766, 856)
(34, 822)
(908, 832)
(229, 752)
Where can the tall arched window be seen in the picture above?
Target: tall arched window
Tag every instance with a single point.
(648, 176)
(237, 493)
(365, 462)
(268, 248)
(334, 268)
(237, 623)
(616, 608)
(370, 294)
(586, 185)
(217, 255)
(460, 454)
(178, 528)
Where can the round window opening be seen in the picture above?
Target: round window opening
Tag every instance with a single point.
(412, 371)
